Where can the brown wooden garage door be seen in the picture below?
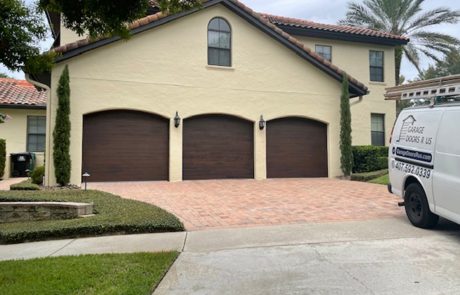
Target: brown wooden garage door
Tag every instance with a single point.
(218, 147)
(296, 147)
(125, 146)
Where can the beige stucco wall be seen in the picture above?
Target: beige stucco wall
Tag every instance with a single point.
(165, 70)
(353, 57)
(68, 36)
(14, 131)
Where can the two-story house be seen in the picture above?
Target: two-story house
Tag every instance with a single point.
(220, 92)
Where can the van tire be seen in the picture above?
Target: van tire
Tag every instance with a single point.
(417, 208)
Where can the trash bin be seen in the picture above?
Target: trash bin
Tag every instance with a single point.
(20, 163)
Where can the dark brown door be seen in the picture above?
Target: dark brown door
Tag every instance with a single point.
(125, 146)
(296, 147)
(218, 147)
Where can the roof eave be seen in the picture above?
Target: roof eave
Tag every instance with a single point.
(23, 106)
(318, 33)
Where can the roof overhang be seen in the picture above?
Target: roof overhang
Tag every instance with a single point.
(316, 33)
(23, 106)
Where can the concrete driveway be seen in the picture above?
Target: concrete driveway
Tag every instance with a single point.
(244, 203)
(385, 256)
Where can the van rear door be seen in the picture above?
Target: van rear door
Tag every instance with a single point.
(446, 178)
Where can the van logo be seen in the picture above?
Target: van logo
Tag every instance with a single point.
(409, 121)
(414, 155)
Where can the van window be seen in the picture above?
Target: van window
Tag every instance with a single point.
(378, 129)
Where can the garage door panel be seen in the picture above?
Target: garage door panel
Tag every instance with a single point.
(218, 147)
(125, 146)
(296, 147)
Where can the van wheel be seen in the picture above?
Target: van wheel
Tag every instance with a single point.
(417, 208)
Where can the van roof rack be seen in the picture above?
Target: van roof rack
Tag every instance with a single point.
(426, 89)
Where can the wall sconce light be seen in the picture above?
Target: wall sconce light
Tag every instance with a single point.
(261, 123)
(177, 120)
(85, 178)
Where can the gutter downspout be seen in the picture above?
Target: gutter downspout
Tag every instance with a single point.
(48, 125)
(360, 100)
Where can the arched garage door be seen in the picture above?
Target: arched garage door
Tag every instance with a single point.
(296, 147)
(218, 147)
(124, 145)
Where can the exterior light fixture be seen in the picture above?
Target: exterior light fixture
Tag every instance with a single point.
(85, 178)
(177, 120)
(261, 123)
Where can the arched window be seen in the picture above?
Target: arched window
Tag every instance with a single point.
(219, 43)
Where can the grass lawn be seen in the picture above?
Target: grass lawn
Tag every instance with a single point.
(113, 215)
(381, 180)
(135, 274)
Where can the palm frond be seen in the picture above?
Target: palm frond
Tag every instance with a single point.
(434, 17)
(409, 8)
(433, 37)
(430, 55)
(358, 15)
(412, 55)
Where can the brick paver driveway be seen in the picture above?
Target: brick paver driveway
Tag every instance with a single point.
(231, 203)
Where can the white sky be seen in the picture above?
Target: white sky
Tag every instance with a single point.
(324, 11)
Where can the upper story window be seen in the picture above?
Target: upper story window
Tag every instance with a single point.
(219, 43)
(325, 51)
(376, 65)
(36, 127)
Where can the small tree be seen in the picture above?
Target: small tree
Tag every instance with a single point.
(61, 134)
(346, 159)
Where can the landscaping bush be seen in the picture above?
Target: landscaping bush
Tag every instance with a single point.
(2, 157)
(113, 215)
(25, 185)
(366, 176)
(369, 158)
(37, 175)
(346, 158)
(61, 134)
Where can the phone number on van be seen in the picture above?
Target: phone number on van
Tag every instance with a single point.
(413, 169)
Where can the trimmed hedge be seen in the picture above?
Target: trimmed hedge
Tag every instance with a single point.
(367, 158)
(113, 215)
(2, 157)
(25, 185)
(366, 176)
(37, 174)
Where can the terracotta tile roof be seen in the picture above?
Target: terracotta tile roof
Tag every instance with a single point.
(160, 15)
(302, 23)
(136, 24)
(20, 93)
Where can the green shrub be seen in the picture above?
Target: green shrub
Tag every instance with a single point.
(37, 175)
(25, 185)
(61, 134)
(346, 157)
(368, 158)
(366, 176)
(2, 156)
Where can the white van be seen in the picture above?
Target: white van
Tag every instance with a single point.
(424, 163)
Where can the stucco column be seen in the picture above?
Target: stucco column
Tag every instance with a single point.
(260, 152)
(76, 149)
(175, 152)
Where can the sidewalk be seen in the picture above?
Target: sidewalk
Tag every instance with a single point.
(5, 184)
(226, 239)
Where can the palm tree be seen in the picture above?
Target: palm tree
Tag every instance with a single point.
(406, 17)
